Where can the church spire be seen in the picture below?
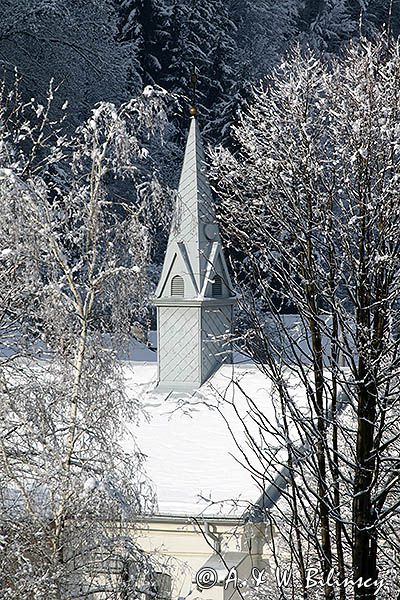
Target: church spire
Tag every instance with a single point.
(194, 297)
(194, 233)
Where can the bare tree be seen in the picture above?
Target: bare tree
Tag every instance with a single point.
(74, 265)
(310, 203)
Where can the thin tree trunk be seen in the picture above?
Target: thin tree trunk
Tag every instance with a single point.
(318, 370)
(364, 519)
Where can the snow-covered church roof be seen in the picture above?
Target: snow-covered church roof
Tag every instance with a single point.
(220, 451)
(195, 444)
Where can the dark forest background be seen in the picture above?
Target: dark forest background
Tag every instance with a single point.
(109, 50)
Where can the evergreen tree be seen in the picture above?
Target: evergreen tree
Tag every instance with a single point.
(383, 14)
(310, 13)
(143, 22)
(328, 24)
(334, 24)
(201, 35)
(264, 31)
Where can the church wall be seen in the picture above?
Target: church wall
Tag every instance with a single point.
(216, 325)
(179, 344)
(184, 548)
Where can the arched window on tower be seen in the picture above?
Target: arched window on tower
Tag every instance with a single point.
(177, 286)
(217, 286)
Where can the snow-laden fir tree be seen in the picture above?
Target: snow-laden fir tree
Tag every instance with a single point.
(202, 36)
(264, 31)
(378, 15)
(145, 23)
(329, 27)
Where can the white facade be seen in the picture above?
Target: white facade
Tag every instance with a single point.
(194, 297)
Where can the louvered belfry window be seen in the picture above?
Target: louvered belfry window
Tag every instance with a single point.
(177, 286)
(217, 286)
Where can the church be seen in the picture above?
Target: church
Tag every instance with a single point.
(202, 526)
(214, 496)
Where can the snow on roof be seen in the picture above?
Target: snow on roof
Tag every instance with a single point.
(194, 443)
(203, 449)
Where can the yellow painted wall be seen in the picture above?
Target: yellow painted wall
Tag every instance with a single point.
(183, 547)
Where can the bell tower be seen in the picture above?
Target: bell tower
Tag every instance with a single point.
(194, 297)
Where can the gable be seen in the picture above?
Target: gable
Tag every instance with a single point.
(177, 264)
(216, 275)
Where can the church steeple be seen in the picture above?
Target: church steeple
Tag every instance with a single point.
(194, 236)
(194, 297)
